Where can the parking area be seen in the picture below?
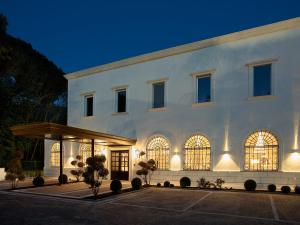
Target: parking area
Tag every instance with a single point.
(153, 206)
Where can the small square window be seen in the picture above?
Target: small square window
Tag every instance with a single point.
(158, 95)
(89, 101)
(262, 80)
(121, 100)
(204, 89)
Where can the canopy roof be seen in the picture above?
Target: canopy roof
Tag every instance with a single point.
(55, 131)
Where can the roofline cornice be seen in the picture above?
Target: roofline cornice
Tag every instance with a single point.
(253, 32)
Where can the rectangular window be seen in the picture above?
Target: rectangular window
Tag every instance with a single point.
(121, 100)
(204, 89)
(89, 105)
(158, 95)
(262, 80)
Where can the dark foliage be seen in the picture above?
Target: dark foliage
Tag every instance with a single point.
(63, 179)
(38, 181)
(116, 186)
(146, 171)
(285, 189)
(172, 185)
(136, 183)
(167, 184)
(250, 185)
(185, 182)
(297, 189)
(158, 184)
(32, 89)
(271, 187)
(14, 171)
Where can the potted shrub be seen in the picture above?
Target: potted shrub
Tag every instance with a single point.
(185, 182)
(136, 183)
(285, 189)
(250, 185)
(38, 181)
(116, 186)
(271, 187)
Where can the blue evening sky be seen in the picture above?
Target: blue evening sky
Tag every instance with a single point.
(77, 34)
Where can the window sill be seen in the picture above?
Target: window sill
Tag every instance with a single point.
(88, 117)
(261, 97)
(163, 109)
(203, 104)
(119, 114)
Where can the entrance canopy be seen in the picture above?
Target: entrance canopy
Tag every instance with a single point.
(62, 133)
(55, 131)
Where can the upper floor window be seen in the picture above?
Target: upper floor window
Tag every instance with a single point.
(204, 88)
(158, 95)
(89, 105)
(121, 100)
(262, 80)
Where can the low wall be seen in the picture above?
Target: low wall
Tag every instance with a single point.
(232, 179)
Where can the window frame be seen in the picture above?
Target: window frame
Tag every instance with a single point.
(250, 67)
(117, 91)
(86, 97)
(151, 94)
(197, 88)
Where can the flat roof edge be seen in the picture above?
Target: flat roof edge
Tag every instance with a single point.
(253, 32)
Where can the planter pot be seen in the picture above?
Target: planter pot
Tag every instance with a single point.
(2, 174)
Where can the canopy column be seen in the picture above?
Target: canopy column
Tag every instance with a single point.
(60, 159)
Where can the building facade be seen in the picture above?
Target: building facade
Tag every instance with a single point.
(226, 107)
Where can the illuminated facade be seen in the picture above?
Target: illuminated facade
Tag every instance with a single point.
(224, 107)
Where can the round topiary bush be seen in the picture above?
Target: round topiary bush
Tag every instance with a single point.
(285, 189)
(172, 185)
(297, 189)
(136, 183)
(167, 184)
(116, 186)
(38, 181)
(63, 179)
(271, 187)
(158, 184)
(185, 182)
(250, 185)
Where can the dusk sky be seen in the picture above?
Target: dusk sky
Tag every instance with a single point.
(79, 34)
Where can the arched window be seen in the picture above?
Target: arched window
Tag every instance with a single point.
(86, 151)
(197, 153)
(158, 149)
(261, 152)
(55, 160)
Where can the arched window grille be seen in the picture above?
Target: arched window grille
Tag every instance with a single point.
(197, 153)
(158, 149)
(86, 150)
(261, 152)
(55, 160)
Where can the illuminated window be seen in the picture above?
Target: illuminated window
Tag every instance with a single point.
(55, 160)
(261, 152)
(158, 149)
(86, 151)
(197, 153)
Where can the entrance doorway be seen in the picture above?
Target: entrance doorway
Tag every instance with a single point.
(120, 165)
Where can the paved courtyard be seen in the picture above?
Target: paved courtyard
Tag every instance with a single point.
(152, 206)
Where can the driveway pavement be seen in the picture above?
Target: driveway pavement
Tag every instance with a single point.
(152, 206)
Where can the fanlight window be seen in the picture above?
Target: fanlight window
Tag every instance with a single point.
(86, 151)
(158, 149)
(261, 152)
(197, 153)
(55, 160)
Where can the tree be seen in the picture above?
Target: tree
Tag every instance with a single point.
(95, 172)
(78, 164)
(14, 172)
(147, 170)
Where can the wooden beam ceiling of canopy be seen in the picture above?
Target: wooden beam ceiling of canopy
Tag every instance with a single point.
(55, 131)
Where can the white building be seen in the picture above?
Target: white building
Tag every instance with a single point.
(223, 107)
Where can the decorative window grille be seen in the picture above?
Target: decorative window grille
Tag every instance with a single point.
(158, 149)
(197, 153)
(55, 160)
(261, 152)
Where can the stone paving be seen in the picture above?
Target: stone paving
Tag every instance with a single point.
(152, 206)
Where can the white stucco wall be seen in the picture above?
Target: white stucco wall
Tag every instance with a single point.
(227, 121)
